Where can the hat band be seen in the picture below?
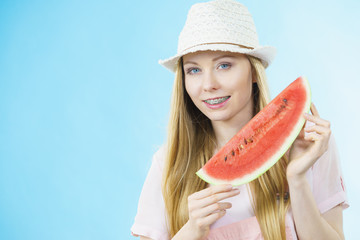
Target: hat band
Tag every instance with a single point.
(201, 44)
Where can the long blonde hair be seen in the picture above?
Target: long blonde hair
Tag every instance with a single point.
(191, 142)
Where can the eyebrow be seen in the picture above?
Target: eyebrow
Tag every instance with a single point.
(214, 59)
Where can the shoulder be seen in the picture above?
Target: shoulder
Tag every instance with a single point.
(150, 220)
(159, 157)
(326, 179)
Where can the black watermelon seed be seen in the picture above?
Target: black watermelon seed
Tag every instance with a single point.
(285, 100)
(245, 141)
(225, 158)
(233, 153)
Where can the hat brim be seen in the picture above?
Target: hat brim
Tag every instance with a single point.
(265, 53)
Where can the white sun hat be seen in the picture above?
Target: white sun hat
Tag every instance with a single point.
(220, 25)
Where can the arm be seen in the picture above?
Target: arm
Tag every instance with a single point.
(310, 224)
(306, 150)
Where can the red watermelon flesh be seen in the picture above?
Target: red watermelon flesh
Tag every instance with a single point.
(263, 140)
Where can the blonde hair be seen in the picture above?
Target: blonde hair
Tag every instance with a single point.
(191, 142)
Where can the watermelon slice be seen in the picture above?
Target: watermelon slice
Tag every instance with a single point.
(263, 140)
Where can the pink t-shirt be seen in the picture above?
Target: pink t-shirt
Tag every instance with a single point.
(325, 179)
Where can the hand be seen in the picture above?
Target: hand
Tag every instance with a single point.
(306, 150)
(205, 208)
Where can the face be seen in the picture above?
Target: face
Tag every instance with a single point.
(220, 84)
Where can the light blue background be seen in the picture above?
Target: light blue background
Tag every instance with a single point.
(84, 104)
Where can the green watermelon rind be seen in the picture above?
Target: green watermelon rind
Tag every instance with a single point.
(250, 177)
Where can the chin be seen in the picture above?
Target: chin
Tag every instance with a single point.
(218, 117)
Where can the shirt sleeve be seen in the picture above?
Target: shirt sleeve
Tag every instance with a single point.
(328, 182)
(150, 220)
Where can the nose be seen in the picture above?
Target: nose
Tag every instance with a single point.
(210, 82)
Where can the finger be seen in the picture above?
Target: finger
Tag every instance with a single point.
(317, 120)
(318, 129)
(208, 220)
(200, 203)
(203, 212)
(220, 196)
(313, 137)
(314, 110)
(210, 191)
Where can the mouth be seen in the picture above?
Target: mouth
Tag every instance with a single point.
(215, 101)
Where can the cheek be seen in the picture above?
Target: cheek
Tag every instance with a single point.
(247, 87)
(247, 91)
(243, 86)
(192, 89)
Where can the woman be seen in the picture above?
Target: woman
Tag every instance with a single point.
(219, 86)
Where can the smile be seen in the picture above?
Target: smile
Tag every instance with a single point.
(215, 101)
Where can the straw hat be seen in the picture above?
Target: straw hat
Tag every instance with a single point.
(224, 25)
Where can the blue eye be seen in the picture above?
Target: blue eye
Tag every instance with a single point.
(193, 70)
(224, 66)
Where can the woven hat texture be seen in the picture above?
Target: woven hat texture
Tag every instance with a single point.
(223, 25)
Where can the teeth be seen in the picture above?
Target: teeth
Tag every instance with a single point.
(216, 101)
